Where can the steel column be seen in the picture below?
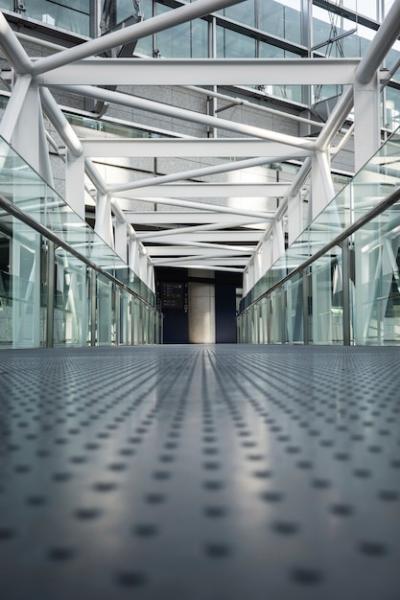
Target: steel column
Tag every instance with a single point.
(50, 276)
(93, 306)
(306, 319)
(346, 293)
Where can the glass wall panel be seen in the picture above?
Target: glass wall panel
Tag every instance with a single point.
(294, 311)
(25, 265)
(137, 322)
(246, 326)
(71, 302)
(264, 320)
(125, 318)
(328, 26)
(104, 311)
(22, 285)
(392, 108)
(243, 12)
(146, 319)
(73, 15)
(327, 299)
(126, 9)
(369, 8)
(231, 44)
(281, 18)
(256, 324)
(278, 332)
(188, 40)
(145, 45)
(151, 326)
(377, 280)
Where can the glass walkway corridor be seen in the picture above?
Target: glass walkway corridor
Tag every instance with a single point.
(199, 299)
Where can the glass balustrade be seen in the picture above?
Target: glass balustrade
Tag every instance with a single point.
(352, 291)
(73, 291)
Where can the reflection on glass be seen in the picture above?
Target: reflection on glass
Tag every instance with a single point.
(244, 12)
(327, 299)
(71, 303)
(377, 280)
(105, 319)
(188, 40)
(73, 15)
(22, 285)
(277, 327)
(125, 319)
(294, 309)
(231, 44)
(281, 18)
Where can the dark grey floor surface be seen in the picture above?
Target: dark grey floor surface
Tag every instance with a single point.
(200, 473)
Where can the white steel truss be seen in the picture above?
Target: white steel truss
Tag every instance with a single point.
(217, 225)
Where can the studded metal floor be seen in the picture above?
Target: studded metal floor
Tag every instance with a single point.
(200, 473)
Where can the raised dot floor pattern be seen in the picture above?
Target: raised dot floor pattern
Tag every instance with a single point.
(200, 473)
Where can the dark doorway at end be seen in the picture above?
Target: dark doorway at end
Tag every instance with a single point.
(173, 286)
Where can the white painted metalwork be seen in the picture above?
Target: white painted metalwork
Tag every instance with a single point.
(216, 211)
(128, 71)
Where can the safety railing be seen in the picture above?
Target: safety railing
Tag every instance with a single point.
(339, 282)
(60, 283)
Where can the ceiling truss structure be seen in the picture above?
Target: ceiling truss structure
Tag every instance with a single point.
(214, 226)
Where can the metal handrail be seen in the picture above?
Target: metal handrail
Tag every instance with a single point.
(43, 230)
(346, 233)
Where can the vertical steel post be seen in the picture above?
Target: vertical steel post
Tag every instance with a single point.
(132, 311)
(212, 102)
(346, 293)
(306, 320)
(117, 304)
(50, 294)
(93, 303)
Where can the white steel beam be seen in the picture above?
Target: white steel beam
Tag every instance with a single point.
(13, 49)
(192, 173)
(75, 183)
(203, 267)
(186, 250)
(196, 147)
(131, 33)
(95, 177)
(121, 239)
(213, 236)
(126, 204)
(188, 115)
(220, 71)
(14, 106)
(103, 226)
(58, 119)
(29, 137)
(193, 228)
(367, 121)
(369, 64)
(209, 190)
(188, 243)
(233, 101)
(161, 217)
(200, 257)
(322, 189)
(226, 262)
(380, 45)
